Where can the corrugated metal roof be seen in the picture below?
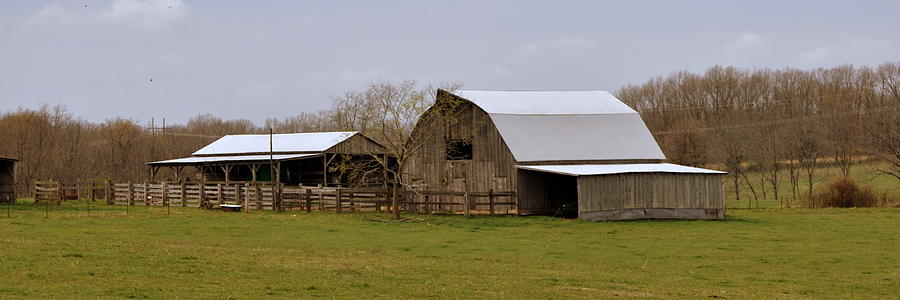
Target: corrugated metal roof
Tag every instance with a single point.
(213, 159)
(281, 143)
(584, 170)
(577, 125)
(546, 102)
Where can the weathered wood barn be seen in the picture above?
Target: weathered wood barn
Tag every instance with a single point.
(7, 179)
(297, 158)
(553, 148)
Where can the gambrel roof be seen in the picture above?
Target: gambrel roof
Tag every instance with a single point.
(566, 125)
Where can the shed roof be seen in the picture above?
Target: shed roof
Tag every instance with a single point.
(8, 158)
(281, 143)
(585, 170)
(566, 125)
(196, 160)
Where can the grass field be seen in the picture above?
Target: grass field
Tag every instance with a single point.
(864, 173)
(191, 253)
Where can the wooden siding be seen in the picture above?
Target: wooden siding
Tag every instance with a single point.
(492, 165)
(357, 144)
(650, 190)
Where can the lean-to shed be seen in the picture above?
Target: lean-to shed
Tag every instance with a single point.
(297, 158)
(7, 179)
(554, 148)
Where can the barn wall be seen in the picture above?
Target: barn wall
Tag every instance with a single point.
(7, 180)
(542, 193)
(357, 144)
(650, 195)
(492, 165)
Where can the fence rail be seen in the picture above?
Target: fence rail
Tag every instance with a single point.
(268, 196)
(55, 192)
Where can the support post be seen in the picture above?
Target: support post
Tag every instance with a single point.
(325, 170)
(178, 170)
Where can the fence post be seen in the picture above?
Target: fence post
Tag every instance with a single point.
(427, 202)
(321, 198)
(246, 206)
(165, 196)
(130, 197)
(352, 204)
(90, 200)
(183, 186)
(276, 205)
(337, 200)
(258, 197)
(467, 200)
(308, 200)
(202, 194)
(491, 201)
(219, 193)
(109, 199)
(146, 194)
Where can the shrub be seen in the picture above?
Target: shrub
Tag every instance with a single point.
(843, 192)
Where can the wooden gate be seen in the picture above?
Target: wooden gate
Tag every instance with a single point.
(47, 192)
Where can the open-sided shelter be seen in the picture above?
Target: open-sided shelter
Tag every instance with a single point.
(554, 148)
(297, 158)
(7, 179)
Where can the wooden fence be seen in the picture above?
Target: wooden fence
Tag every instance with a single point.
(468, 203)
(55, 192)
(267, 196)
(254, 196)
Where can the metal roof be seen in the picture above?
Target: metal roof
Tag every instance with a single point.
(281, 143)
(214, 159)
(560, 126)
(546, 102)
(585, 170)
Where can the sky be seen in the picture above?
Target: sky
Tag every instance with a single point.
(174, 59)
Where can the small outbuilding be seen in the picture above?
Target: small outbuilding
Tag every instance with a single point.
(8, 179)
(313, 158)
(558, 148)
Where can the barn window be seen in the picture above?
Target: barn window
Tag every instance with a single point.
(459, 150)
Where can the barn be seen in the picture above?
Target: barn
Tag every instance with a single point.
(7, 179)
(312, 158)
(555, 148)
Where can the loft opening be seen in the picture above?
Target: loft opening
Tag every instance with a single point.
(459, 149)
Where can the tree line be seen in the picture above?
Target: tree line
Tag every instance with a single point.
(783, 123)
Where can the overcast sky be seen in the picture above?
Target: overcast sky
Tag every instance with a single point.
(259, 59)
